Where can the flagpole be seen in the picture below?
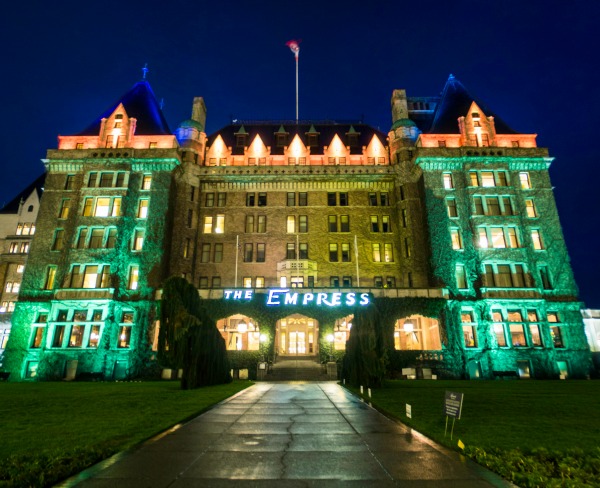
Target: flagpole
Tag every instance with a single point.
(297, 259)
(356, 258)
(295, 48)
(237, 251)
(296, 87)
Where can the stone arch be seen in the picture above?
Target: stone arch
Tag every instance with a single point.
(240, 332)
(297, 335)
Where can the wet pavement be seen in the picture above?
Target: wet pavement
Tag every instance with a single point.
(289, 435)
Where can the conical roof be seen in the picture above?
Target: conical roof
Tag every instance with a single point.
(455, 103)
(139, 102)
(37, 185)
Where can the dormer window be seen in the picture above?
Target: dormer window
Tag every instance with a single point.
(353, 140)
(313, 140)
(475, 115)
(118, 121)
(241, 140)
(281, 139)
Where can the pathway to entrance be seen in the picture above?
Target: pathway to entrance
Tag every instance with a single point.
(289, 435)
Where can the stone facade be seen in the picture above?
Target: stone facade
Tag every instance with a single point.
(451, 207)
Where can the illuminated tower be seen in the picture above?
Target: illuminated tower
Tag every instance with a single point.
(87, 302)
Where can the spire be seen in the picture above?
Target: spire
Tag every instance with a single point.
(454, 103)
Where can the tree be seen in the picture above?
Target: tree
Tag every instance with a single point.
(189, 339)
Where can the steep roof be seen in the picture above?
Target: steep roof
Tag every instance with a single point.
(37, 185)
(362, 133)
(139, 102)
(455, 103)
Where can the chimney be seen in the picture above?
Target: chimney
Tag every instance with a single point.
(399, 105)
(199, 111)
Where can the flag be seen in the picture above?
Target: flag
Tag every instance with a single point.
(294, 46)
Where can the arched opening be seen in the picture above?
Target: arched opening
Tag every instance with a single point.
(341, 332)
(417, 333)
(296, 335)
(241, 333)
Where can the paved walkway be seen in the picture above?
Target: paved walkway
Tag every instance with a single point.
(290, 435)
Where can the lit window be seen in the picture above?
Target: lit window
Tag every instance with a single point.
(134, 272)
(451, 207)
(261, 226)
(260, 253)
(374, 223)
(291, 224)
(487, 179)
(138, 239)
(525, 182)
(38, 334)
(96, 237)
(146, 182)
(208, 225)
(303, 223)
(220, 224)
(76, 337)
(461, 278)
(469, 329)
(333, 253)
(376, 248)
(530, 208)
(142, 212)
(448, 183)
(345, 253)
(20, 268)
(456, 239)
(59, 240)
(90, 277)
(385, 224)
(536, 238)
(94, 338)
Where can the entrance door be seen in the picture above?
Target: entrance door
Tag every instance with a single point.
(296, 335)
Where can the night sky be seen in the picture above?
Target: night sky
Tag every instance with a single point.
(535, 63)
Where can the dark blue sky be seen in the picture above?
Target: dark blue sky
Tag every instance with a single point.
(535, 63)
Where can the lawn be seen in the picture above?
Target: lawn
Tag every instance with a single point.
(536, 433)
(53, 430)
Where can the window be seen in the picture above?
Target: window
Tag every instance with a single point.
(59, 240)
(498, 237)
(248, 251)
(260, 252)
(374, 223)
(505, 276)
(388, 254)
(376, 248)
(50, 276)
(332, 223)
(262, 224)
(384, 199)
(525, 182)
(390, 282)
(303, 223)
(208, 225)
(373, 199)
(536, 238)
(138, 241)
(451, 207)
(448, 183)
(64, 208)
(291, 199)
(187, 248)
(203, 282)
(124, 339)
(545, 277)
(218, 253)
(209, 200)
(347, 281)
(262, 199)
(134, 275)
(534, 328)
(386, 225)
(291, 224)
(96, 237)
(142, 212)
(461, 278)
(345, 253)
(302, 199)
(488, 178)
(331, 199)
(333, 253)
(147, 182)
(290, 251)
(111, 238)
(492, 205)
(555, 331)
(250, 199)
(469, 328)
(214, 224)
(249, 224)
(216, 282)
(59, 334)
(69, 182)
(407, 250)
(344, 223)
(334, 281)
(20, 268)
(456, 239)
(517, 330)
(36, 340)
(530, 208)
(303, 250)
(498, 328)
(221, 199)
(12, 287)
(378, 282)
(404, 217)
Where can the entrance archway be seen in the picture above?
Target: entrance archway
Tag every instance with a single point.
(297, 335)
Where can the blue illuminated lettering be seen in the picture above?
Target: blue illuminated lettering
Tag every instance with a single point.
(248, 295)
(350, 299)
(321, 297)
(237, 294)
(308, 297)
(364, 299)
(273, 298)
(228, 294)
(336, 299)
(291, 298)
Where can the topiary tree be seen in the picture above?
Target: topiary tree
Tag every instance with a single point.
(188, 339)
(366, 352)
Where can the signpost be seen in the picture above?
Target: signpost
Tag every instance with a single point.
(453, 408)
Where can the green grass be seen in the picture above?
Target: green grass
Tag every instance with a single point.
(53, 430)
(536, 433)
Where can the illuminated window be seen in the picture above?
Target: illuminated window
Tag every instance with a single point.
(461, 279)
(76, 336)
(142, 212)
(90, 277)
(290, 252)
(386, 225)
(333, 253)
(456, 239)
(417, 333)
(132, 282)
(303, 223)
(487, 179)
(345, 253)
(556, 334)
(534, 328)
(219, 224)
(448, 183)
(261, 226)
(94, 337)
(36, 339)
(374, 223)
(59, 240)
(505, 276)
(111, 238)
(96, 238)
(20, 268)
(498, 328)
(525, 182)
(291, 224)
(517, 330)
(138, 240)
(208, 225)
(124, 339)
(376, 248)
(247, 282)
(146, 182)
(469, 328)
(530, 208)
(451, 207)
(64, 208)
(536, 238)
(69, 182)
